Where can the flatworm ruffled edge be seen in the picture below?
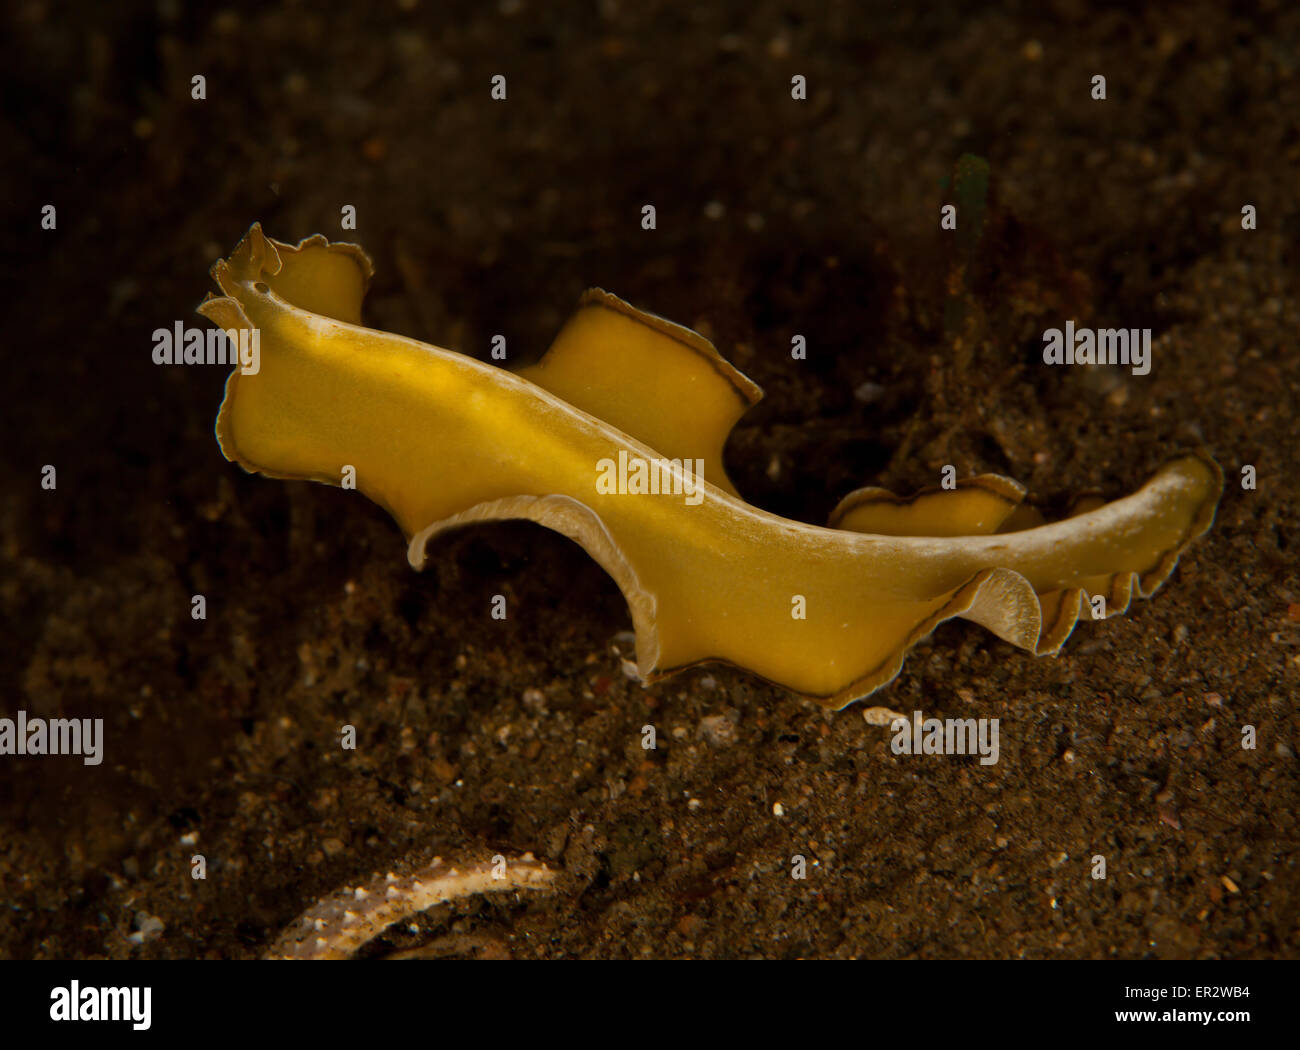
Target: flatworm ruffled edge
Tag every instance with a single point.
(999, 599)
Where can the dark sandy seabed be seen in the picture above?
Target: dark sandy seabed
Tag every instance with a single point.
(774, 218)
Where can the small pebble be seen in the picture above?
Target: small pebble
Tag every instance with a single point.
(718, 730)
(148, 927)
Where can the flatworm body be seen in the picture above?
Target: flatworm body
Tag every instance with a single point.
(441, 440)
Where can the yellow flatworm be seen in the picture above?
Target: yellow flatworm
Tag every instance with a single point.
(442, 440)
